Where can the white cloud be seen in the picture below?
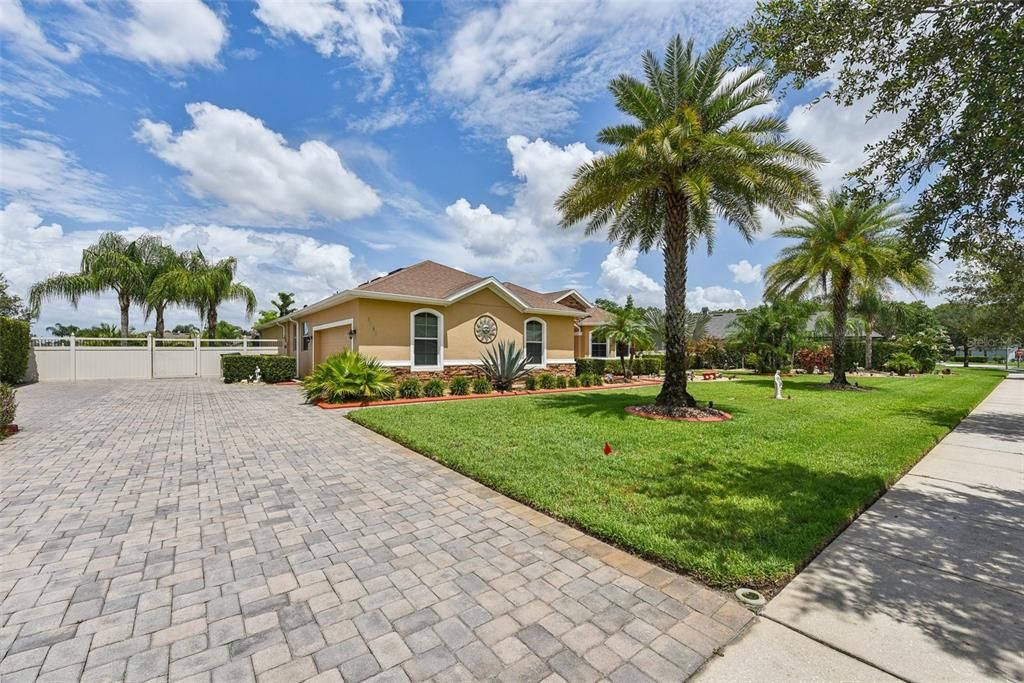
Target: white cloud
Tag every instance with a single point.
(524, 241)
(621, 278)
(840, 133)
(268, 262)
(26, 36)
(524, 66)
(234, 158)
(35, 168)
(366, 31)
(168, 34)
(744, 272)
(714, 297)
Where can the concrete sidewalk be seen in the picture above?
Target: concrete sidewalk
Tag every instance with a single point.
(926, 585)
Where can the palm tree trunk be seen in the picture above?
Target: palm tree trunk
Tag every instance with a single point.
(840, 304)
(125, 303)
(673, 392)
(967, 349)
(869, 330)
(211, 322)
(159, 321)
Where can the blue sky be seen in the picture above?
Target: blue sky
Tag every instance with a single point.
(323, 143)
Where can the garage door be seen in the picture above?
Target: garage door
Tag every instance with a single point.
(330, 341)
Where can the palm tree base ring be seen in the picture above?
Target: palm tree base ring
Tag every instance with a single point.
(679, 414)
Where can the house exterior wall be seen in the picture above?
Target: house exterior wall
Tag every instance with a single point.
(383, 331)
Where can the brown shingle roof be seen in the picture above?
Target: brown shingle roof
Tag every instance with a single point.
(426, 278)
(536, 299)
(436, 281)
(595, 315)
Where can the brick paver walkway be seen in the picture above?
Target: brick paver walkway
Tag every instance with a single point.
(192, 530)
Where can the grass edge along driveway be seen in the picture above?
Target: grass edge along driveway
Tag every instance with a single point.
(746, 502)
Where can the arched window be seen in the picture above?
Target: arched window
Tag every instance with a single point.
(533, 341)
(427, 330)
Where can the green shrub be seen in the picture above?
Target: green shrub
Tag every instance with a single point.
(14, 348)
(648, 365)
(546, 380)
(459, 386)
(410, 388)
(482, 385)
(589, 366)
(597, 379)
(586, 380)
(349, 376)
(574, 382)
(7, 407)
(434, 388)
(901, 363)
(273, 369)
(531, 382)
(561, 382)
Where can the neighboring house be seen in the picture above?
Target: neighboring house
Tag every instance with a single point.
(433, 321)
(585, 345)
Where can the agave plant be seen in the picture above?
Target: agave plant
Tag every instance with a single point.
(346, 376)
(504, 365)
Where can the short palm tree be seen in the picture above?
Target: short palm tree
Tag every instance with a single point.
(688, 159)
(158, 258)
(204, 285)
(113, 263)
(871, 305)
(844, 243)
(349, 375)
(629, 332)
(696, 326)
(772, 331)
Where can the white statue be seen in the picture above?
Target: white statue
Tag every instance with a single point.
(778, 385)
(258, 376)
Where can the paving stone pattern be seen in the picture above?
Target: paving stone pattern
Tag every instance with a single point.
(191, 530)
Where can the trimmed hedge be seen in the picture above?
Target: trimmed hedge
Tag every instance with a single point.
(14, 347)
(273, 369)
(7, 407)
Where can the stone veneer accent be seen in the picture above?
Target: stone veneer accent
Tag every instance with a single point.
(565, 369)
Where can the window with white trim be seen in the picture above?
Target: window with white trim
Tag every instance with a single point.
(534, 342)
(598, 347)
(426, 340)
(306, 336)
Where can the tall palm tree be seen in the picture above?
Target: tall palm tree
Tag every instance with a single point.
(627, 330)
(204, 285)
(844, 243)
(158, 258)
(687, 159)
(113, 263)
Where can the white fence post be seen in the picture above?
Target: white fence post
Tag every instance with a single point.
(195, 342)
(74, 360)
(245, 346)
(150, 344)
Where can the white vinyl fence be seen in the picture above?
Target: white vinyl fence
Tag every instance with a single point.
(63, 359)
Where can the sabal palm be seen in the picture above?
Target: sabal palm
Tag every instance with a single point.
(113, 263)
(687, 160)
(205, 286)
(628, 331)
(158, 259)
(844, 243)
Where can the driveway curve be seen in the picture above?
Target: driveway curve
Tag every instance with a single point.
(191, 530)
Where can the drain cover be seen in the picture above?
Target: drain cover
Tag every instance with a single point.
(749, 596)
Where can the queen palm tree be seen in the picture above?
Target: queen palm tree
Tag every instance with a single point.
(627, 330)
(204, 285)
(158, 258)
(688, 159)
(871, 305)
(845, 243)
(113, 263)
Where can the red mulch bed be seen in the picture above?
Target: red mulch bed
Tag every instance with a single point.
(521, 392)
(651, 412)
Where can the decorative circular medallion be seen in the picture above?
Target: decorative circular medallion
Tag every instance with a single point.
(485, 329)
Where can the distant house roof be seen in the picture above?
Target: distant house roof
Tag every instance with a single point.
(433, 283)
(720, 323)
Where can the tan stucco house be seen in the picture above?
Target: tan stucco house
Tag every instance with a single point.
(434, 321)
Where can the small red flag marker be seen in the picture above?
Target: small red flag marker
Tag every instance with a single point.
(607, 448)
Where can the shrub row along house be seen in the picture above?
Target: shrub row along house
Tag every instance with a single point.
(430, 320)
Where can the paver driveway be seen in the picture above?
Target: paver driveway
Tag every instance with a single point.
(189, 529)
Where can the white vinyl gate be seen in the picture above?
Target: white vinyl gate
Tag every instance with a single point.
(56, 359)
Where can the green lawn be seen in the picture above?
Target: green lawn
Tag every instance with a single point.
(746, 502)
